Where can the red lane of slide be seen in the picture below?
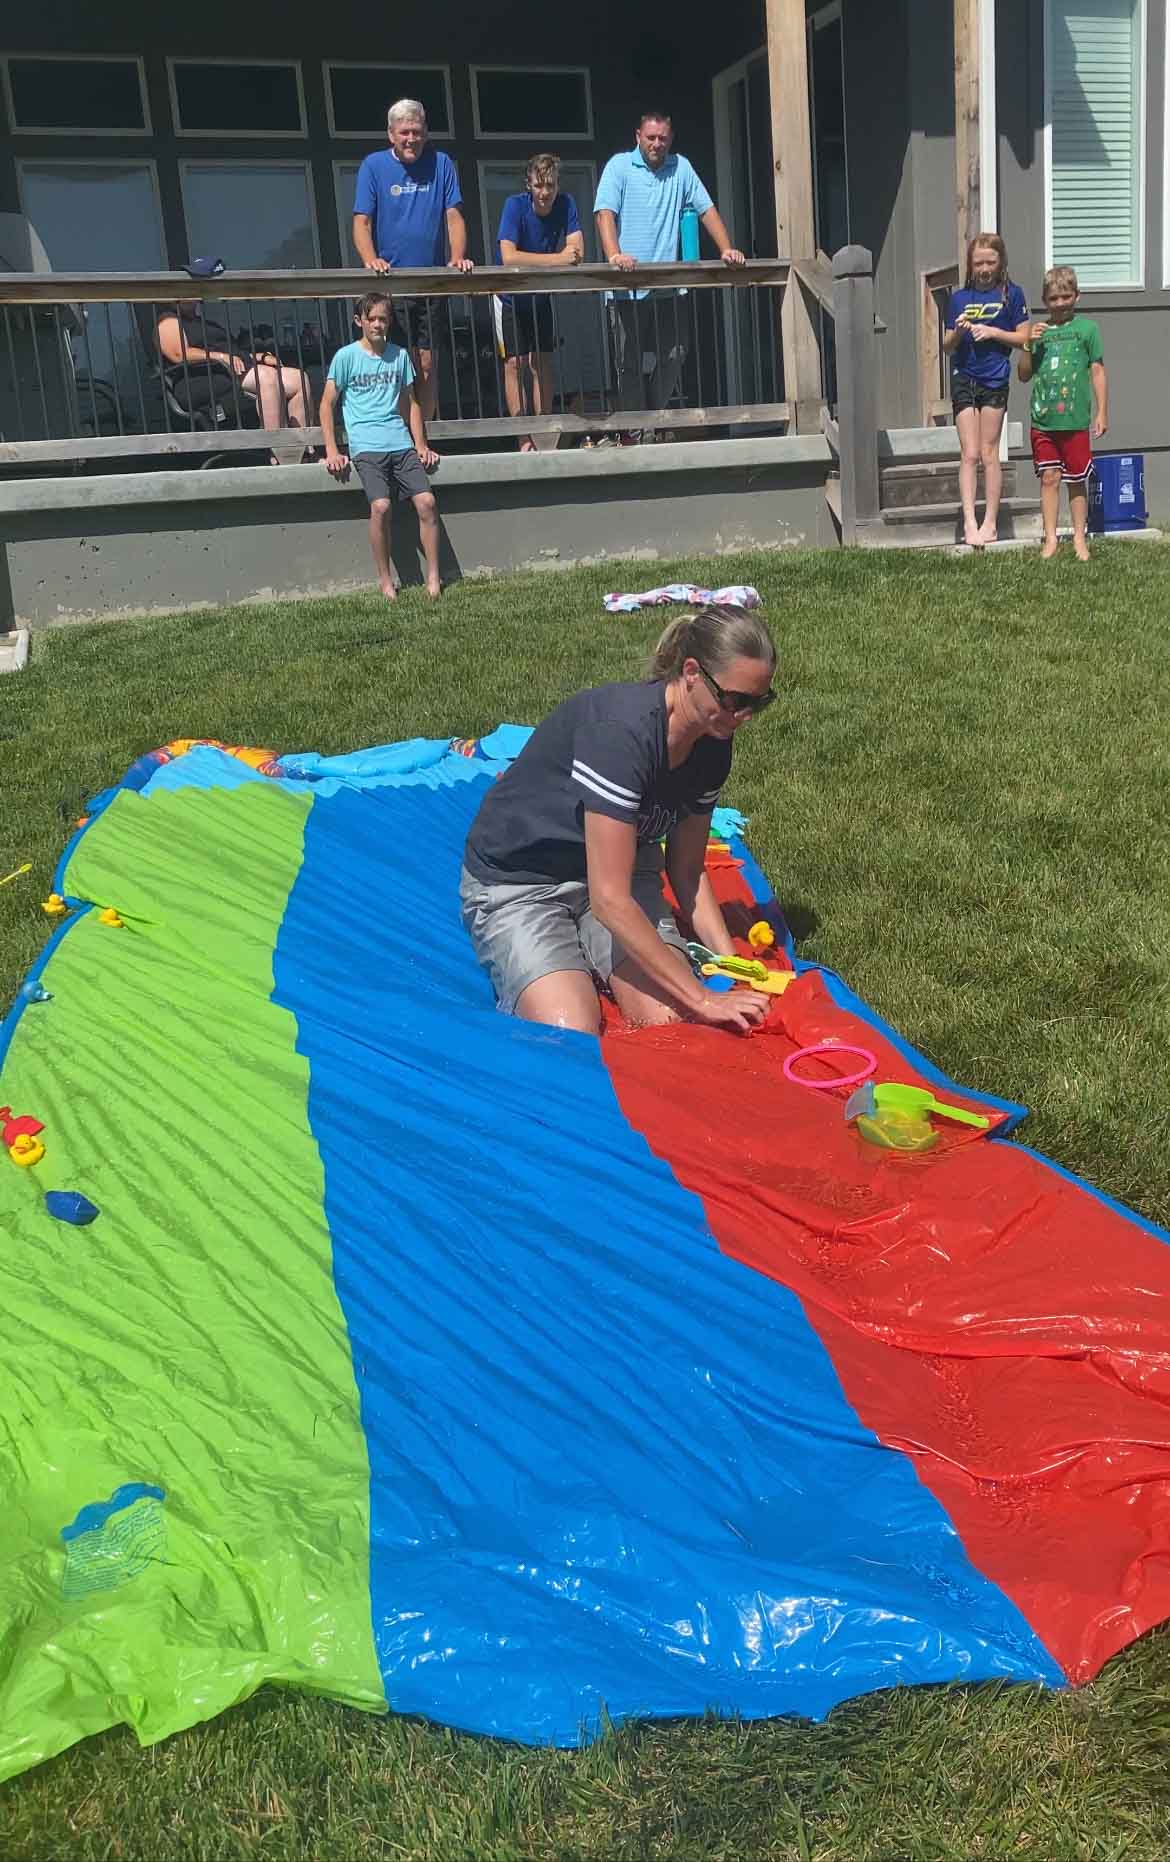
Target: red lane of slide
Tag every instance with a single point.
(986, 1316)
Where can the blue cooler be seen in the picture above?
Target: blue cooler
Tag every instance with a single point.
(1117, 492)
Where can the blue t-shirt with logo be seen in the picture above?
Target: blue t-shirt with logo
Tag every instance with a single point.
(998, 309)
(530, 231)
(369, 386)
(407, 204)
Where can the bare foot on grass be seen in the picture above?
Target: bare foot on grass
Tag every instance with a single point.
(434, 589)
(390, 590)
(972, 537)
(1049, 549)
(987, 536)
(1081, 548)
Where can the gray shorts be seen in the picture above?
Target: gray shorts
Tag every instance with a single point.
(391, 475)
(521, 933)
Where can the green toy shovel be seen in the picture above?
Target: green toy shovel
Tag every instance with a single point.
(916, 1099)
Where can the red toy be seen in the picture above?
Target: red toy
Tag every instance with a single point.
(15, 1128)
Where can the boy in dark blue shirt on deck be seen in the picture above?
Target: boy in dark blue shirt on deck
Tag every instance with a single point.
(541, 228)
(985, 321)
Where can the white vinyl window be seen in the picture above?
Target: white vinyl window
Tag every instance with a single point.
(255, 216)
(357, 97)
(82, 93)
(237, 97)
(1094, 67)
(551, 103)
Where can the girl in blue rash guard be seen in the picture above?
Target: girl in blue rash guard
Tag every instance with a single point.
(986, 320)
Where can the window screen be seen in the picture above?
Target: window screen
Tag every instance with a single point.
(1095, 77)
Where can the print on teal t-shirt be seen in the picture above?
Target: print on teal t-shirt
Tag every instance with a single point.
(369, 386)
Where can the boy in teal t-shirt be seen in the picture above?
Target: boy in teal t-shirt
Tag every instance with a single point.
(371, 382)
(1063, 361)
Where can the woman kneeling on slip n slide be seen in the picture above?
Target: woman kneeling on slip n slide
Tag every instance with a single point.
(563, 868)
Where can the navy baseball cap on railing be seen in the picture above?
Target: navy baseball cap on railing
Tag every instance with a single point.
(204, 268)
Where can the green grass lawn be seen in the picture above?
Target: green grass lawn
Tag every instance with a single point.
(962, 800)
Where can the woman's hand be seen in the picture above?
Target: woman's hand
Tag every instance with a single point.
(741, 1009)
(235, 363)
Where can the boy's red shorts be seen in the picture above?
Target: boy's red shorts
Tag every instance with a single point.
(1072, 452)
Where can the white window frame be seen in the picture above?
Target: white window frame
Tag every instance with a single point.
(553, 134)
(242, 161)
(379, 129)
(1120, 284)
(494, 161)
(233, 135)
(77, 58)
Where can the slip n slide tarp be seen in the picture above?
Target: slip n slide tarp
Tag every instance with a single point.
(425, 1358)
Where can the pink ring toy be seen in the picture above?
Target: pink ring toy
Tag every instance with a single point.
(830, 1047)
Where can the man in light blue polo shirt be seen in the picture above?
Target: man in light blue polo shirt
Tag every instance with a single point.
(641, 198)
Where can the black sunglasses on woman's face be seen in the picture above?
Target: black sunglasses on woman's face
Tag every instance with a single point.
(737, 702)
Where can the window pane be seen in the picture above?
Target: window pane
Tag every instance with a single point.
(83, 93)
(532, 103)
(363, 94)
(98, 217)
(255, 216)
(238, 98)
(1095, 78)
(344, 182)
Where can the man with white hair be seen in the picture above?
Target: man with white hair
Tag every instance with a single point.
(407, 210)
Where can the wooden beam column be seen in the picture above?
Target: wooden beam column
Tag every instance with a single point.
(967, 149)
(795, 228)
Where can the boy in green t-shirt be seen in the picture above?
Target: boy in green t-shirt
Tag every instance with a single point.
(1063, 362)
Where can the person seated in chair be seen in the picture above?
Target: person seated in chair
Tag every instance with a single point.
(282, 395)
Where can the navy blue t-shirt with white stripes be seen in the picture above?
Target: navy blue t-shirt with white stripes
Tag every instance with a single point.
(603, 750)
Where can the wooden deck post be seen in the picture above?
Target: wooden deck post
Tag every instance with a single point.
(857, 425)
(795, 227)
(967, 147)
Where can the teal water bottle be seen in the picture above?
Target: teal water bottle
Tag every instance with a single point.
(689, 235)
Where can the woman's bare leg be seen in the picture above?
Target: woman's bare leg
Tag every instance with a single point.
(563, 999)
(641, 1000)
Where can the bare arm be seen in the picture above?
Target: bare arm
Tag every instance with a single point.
(610, 847)
(574, 252)
(457, 239)
(607, 233)
(336, 463)
(731, 255)
(363, 240)
(174, 348)
(412, 414)
(1101, 395)
(699, 909)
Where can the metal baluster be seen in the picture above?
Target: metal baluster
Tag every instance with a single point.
(301, 370)
(14, 371)
(447, 302)
(162, 378)
(255, 367)
(136, 352)
(97, 425)
(36, 349)
(116, 383)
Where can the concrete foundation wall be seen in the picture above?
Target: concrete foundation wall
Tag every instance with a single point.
(100, 548)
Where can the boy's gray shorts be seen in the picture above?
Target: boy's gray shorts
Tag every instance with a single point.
(521, 933)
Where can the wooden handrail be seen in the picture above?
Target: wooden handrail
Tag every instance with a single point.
(170, 287)
(816, 275)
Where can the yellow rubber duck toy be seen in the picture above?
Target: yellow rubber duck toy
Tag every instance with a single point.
(110, 917)
(25, 1150)
(761, 935)
(54, 906)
